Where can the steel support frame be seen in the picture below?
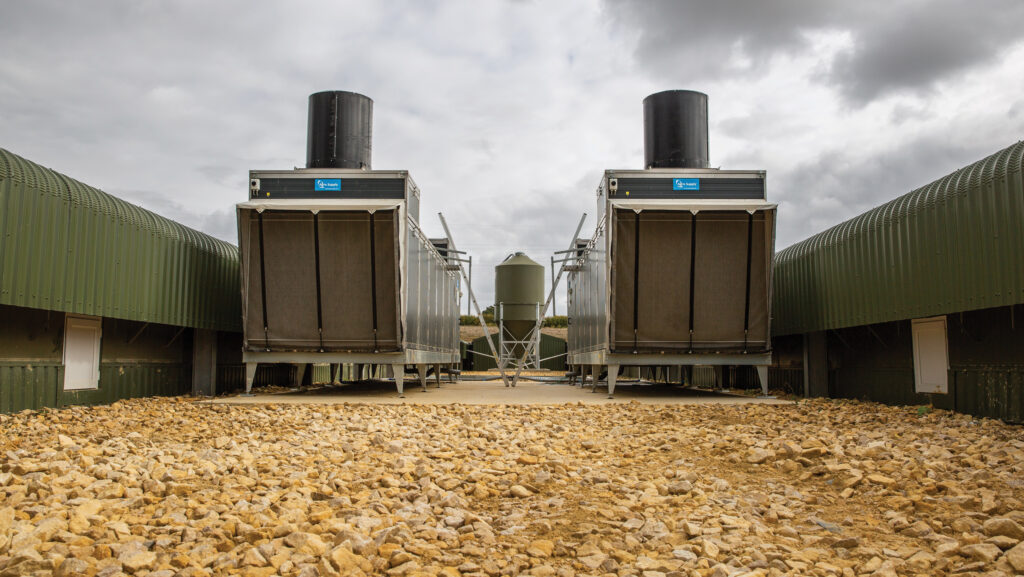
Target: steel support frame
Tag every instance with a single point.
(507, 342)
(598, 358)
(551, 296)
(397, 360)
(472, 299)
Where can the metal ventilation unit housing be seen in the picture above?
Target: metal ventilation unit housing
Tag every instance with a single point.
(335, 268)
(678, 272)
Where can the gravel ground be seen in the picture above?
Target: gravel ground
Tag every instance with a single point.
(168, 487)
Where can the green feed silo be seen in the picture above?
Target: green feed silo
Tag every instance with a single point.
(518, 293)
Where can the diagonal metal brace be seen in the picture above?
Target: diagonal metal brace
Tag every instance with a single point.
(472, 299)
(547, 303)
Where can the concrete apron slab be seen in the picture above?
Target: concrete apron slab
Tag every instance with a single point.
(495, 393)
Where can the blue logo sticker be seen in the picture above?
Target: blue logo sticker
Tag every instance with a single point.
(329, 184)
(685, 184)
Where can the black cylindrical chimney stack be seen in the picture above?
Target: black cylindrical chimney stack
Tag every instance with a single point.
(340, 130)
(676, 129)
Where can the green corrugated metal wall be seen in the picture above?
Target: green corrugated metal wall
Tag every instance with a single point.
(549, 347)
(954, 245)
(29, 386)
(73, 248)
(232, 377)
(986, 358)
(35, 386)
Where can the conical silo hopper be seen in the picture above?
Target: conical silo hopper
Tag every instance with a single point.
(518, 296)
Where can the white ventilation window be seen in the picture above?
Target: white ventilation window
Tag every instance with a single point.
(82, 353)
(931, 358)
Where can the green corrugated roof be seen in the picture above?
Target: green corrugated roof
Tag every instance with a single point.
(70, 247)
(953, 245)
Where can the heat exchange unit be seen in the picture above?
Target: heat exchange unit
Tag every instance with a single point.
(678, 271)
(335, 268)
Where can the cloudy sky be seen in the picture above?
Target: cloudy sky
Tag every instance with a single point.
(506, 113)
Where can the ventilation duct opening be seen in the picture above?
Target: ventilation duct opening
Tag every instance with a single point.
(676, 129)
(340, 130)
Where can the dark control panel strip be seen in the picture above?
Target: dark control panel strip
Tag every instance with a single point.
(741, 188)
(328, 188)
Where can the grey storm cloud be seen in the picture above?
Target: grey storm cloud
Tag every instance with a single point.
(506, 113)
(906, 46)
(875, 179)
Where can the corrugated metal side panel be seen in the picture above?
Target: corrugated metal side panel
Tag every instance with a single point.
(788, 379)
(35, 386)
(132, 380)
(946, 247)
(73, 248)
(32, 205)
(587, 309)
(986, 376)
(29, 386)
(996, 392)
(482, 363)
(231, 377)
(322, 373)
(432, 296)
(549, 347)
(39, 385)
(891, 386)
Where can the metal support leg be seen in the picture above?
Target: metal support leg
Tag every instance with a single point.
(762, 375)
(399, 370)
(613, 373)
(357, 372)
(594, 370)
(437, 375)
(719, 377)
(422, 370)
(335, 369)
(300, 372)
(250, 376)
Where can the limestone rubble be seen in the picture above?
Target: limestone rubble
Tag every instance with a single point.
(167, 487)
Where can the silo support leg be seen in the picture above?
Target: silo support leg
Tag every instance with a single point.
(437, 375)
(422, 371)
(250, 376)
(399, 370)
(594, 370)
(762, 375)
(613, 373)
(300, 372)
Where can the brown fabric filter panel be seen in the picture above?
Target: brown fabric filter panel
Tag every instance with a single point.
(663, 301)
(720, 279)
(290, 275)
(623, 263)
(760, 260)
(345, 281)
(345, 295)
(664, 298)
(386, 245)
(249, 243)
